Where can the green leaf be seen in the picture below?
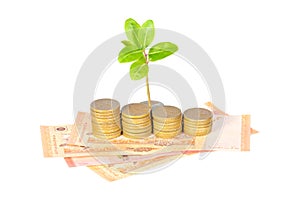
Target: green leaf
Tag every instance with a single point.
(132, 31)
(139, 69)
(129, 54)
(127, 43)
(161, 50)
(146, 33)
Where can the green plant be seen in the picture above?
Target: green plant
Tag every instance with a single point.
(137, 50)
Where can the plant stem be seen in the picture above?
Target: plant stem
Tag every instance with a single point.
(148, 92)
(147, 82)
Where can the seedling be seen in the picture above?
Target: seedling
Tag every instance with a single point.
(137, 50)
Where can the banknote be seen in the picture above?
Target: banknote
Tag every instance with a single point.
(234, 136)
(56, 141)
(65, 140)
(119, 159)
(119, 171)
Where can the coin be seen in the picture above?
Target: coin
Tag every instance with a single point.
(167, 124)
(197, 131)
(107, 136)
(106, 130)
(208, 122)
(163, 113)
(137, 136)
(197, 121)
(167, 135)
(197, 125)
(105, 105)
(167, 121)
(110, 115)
(105, 118)
(135, 126)
(197, 114)
(137, 131)
(136, 121)
(135, 110)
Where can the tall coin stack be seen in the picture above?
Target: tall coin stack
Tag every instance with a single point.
(136, 121)
(197, 121)
(167, 121)
(105, 118)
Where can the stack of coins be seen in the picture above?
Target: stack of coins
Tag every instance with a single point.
(136, 121)
(105, 118)
(154, 104)
(167, 121)
(197, 121)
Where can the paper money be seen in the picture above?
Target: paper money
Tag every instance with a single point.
(118, 159)
(66, 142)
(55, 139)
(116, 172)
(235, 136)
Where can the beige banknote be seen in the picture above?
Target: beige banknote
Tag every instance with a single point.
(56, 141)
(114, 159)
(234, 136)
(119, 171)
(119, 159)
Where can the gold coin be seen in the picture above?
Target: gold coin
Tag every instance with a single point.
(166, 135)
(167, 120)
(137, 131)
(167, 130)
(108, 137)
(197, 132)
(137, 136)
(198, 125)
(136, 120)
(136, 123)
(106, 126)
(196, 129)
(135, 110)
(135, 127)
(197, 114)
(102, 133)
(104, 105)
(108, 115)
(166, 113)
(167, 125)
(186, 122)
(106, 120)
(105, 130)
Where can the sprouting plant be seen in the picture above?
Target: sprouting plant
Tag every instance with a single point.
(137, 50)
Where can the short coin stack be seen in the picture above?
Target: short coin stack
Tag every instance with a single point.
(105, 118)
(167, 121)
(136, 121)
(197, 121)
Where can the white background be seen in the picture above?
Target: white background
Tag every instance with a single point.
(254, 44)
